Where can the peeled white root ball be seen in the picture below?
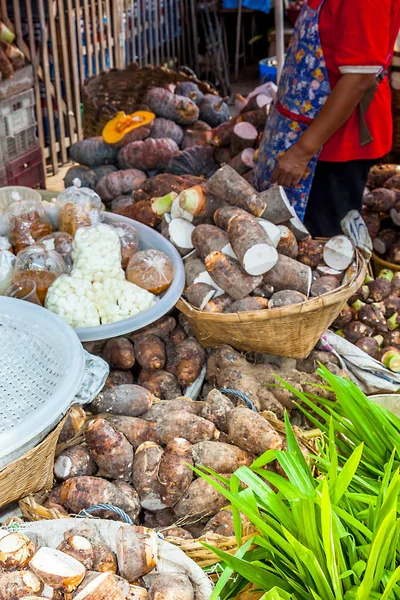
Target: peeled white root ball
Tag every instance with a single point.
(339, 252)
(16, 550)
(57, 569)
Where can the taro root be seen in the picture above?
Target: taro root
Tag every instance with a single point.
(355, 330)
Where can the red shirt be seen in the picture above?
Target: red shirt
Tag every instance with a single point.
(359, 36)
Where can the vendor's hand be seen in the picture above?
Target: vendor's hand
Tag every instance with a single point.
(290, 167)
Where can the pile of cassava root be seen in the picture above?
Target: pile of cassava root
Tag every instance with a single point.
(191, 136)
(134, 451)
(84, 567)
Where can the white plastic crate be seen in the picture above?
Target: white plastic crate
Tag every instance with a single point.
(13, 146)
(18, 112)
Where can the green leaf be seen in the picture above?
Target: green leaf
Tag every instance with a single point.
(391, 583)
(228, 572)
(346, 474)
(328, 540)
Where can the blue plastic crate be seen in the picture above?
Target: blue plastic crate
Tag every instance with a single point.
(268, 70)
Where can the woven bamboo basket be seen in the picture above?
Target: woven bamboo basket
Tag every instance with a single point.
(290, 331)
(379, 264)
(125, 89)
(31, 472)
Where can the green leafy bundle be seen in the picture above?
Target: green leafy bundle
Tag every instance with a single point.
(334, 536)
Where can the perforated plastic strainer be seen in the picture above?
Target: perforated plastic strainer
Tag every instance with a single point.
(41, 369)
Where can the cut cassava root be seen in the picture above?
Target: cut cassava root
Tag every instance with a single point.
(252, 245)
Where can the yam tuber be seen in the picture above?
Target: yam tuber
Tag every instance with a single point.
(286, 298)
(16, 550)
(161, 384)
(244, 135)
(171, 586)
(277, 207)
(183, 424)
(216, 409)
(220, 457)
(219, 304)
(74, 462)
(190, 358)
(345, 317)
(145, 475)
(231, 187)
(78, 493)
(74, 424)
(148, 154)
(181, 404)
(141, 211)
(355, 330)
(250, 431)
(103, 587)
(248, 304)
(224, 215)
(57, 569)
(288, 245)
(129, 400)
(177, 108)
(161, 328)
(174, 473)
(252, 245)
(289, 274)
(151, 270)
(18, 584)
(324, 285)
(200, 500)
(199, 294)
(110, 449)
(242, 163)
(136, 552)
(150, 353)
(79, 548)
(380, 200)
(119, 353)
(209, 238)
(228, 275)
(369, 345)
(119, 183)
(379, 174)
(310, 252)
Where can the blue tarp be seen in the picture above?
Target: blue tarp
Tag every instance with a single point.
(262, 5)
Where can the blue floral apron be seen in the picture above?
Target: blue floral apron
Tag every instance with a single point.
(303, 90)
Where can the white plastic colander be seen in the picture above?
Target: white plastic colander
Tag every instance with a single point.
(41, 369)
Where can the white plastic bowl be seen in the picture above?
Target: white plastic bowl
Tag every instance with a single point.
(41, 368)
(148, 238)
(25, 193)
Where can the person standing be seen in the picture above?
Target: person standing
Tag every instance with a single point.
(331, 120)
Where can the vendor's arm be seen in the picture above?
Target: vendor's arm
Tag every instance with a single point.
(339, 106)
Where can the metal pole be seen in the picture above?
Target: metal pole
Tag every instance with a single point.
(280, 35)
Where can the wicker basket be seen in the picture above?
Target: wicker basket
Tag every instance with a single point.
(124, 90)
(379, 264)
(290, 331)
(30, 473)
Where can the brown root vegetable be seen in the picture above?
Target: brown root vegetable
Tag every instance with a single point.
(250, 431)
(380, 200)
(177, 532)
(209, 238)
(74, 462)
(230, 186)
(257, 117)
(345, 317)
(183, 424)
(74, 424)
(325, 271)
(248, 304)
(224, 215)
(221, 135)
(102, 587)
(190, 358)
(129, 400)
(355, 330)
(199, 294)
(119, 183)
(104, 559)
(384, 240)
(78, 493)
(161, 328)
(311, 252)
(136, 552)
(218, 305)
(244, 135)
(165, 128)
(57, 569)
(230, 276)
(289, 274)
(369, 345)
(379, 174)
(16, 550)
(79, 548)
(393, 183)
(170, 106)
(265, 290)
(161, 384)
(194, 200)
(174, 473)
(171, 586)
(193, 268)
(200, 500)
(286, 298)
(221, 358)
(119, 353)
(178, 335)
(252, 245)
(216, 409)
(110, 449)
(151, 270)
(277, 209)
(148, 154)
(141, 211)
(150, 353)
(220, 524)
(288, 245)
(137, 592)
(220, 457)
(133, 496)
(93, 152)
(243, 162)
(182, 404)
(18, 584)
(222, 156)
(324, 285)
(159, 519)
(145, 475)
(117, 378)
(379, 289)
(373, 317)
(392, 339)
(197, 161)
(390, 358)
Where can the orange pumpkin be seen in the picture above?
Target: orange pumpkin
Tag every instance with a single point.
(122, 124)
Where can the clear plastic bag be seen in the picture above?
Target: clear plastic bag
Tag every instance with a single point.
(79, 207)
(151, 270)
(129, 241)
(5, 243)
(26, 222)
(7, 262)
(62, 243)
(41, 265)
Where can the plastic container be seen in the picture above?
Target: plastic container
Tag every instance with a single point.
(27, 169)
(148, 238)
(268, 70)
(41, 369)
(25, 193)
(389, 401)
(18, 112)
